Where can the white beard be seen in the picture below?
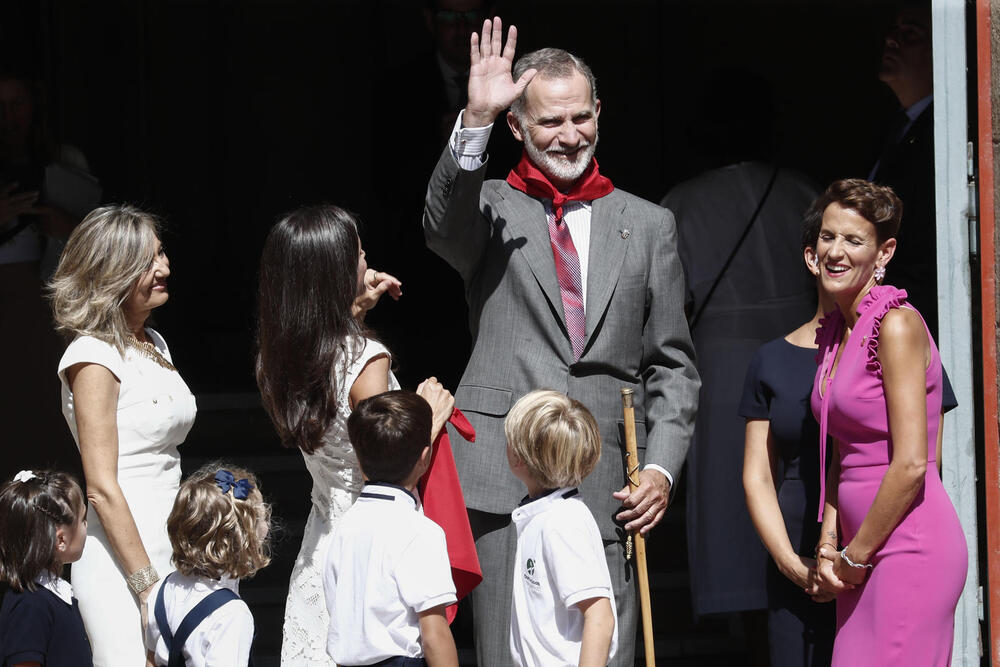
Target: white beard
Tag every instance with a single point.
(553, 166)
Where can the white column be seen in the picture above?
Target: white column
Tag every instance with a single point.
(955, 298)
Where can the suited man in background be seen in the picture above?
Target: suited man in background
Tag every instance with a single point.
(906, 163)
(572, 285)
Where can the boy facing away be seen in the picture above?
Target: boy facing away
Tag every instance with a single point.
(387, 577)
(563, 608)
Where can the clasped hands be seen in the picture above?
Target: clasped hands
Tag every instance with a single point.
(832, 575)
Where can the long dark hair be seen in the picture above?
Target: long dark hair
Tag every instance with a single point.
(308, 283)
(30, 513)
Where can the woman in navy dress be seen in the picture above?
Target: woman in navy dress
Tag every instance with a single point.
(781, 479)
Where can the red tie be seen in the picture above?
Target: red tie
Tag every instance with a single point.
(527, 178)
(570, 282)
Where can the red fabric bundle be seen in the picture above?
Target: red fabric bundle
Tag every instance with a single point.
(441, 495)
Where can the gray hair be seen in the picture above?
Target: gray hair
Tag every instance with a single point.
(104, 258)
(551, 63)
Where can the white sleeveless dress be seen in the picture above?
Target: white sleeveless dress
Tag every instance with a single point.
(336, 483)
(155, 412)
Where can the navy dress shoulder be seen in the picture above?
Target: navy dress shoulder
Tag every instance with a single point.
(37, 626)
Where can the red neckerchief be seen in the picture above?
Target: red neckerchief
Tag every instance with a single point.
(529, 179)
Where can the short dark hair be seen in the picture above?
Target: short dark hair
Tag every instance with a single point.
(388, 432)
(30, 513)
(877, 204)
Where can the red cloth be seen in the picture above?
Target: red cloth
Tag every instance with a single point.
(529, 179)
(443, 503)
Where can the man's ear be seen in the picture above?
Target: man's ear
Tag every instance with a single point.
(597, 109)
(514, 126)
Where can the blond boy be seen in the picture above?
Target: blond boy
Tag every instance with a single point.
(563, 608)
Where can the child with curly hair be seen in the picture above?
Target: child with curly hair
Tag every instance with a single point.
(219, 529)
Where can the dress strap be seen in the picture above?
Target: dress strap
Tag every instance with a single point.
(160, 612)
(825, 385)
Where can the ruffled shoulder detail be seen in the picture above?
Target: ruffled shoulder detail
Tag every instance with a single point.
(879, 301)
(827, 333)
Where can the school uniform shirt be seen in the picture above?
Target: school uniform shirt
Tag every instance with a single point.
(387, 562)
(43, 626)
(559, 563)
(221, 640)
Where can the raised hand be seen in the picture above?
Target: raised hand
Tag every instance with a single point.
(491, 86)
(376, 283)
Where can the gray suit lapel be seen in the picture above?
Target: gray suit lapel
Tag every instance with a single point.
(526, 219)
(607, 253)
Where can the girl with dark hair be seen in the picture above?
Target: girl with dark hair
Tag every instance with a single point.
(315, 362)
(43, 526)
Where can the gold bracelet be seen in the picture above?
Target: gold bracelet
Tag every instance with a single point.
(142, 579)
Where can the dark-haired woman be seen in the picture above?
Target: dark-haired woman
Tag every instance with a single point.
(315, 362)
(891, 545)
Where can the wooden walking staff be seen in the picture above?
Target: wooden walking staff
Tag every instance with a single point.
(632, 470)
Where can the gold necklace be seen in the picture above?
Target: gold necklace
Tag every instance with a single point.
(149, 350)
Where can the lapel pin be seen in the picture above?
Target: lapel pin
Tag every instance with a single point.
(625, 233)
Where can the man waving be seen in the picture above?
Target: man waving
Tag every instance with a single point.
(572, 285)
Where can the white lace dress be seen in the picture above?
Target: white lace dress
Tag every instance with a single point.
(336, 484)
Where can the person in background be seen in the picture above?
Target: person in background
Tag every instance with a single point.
(906, 161)
(738, 225)
(32, 235)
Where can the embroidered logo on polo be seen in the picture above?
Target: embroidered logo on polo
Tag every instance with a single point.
(529, 573)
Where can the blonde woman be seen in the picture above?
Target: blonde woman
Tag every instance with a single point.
(128, 409)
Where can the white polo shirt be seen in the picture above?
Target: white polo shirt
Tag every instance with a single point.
(559, 563)
(386, 563)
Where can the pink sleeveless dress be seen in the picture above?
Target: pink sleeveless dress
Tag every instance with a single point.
(904, 613)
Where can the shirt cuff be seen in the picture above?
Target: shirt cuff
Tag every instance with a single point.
(663, 471)
(468, 144)
(436, 601)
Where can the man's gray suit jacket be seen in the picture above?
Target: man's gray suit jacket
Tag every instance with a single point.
(637, 336)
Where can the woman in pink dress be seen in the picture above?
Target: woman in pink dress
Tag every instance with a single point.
(891, 545)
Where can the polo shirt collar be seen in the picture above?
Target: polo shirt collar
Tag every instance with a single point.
(532, 507)
(383, 491)
(57, 585)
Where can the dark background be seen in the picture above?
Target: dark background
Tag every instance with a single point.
(222, 115)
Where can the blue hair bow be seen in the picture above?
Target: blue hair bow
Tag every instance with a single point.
(225, 481)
